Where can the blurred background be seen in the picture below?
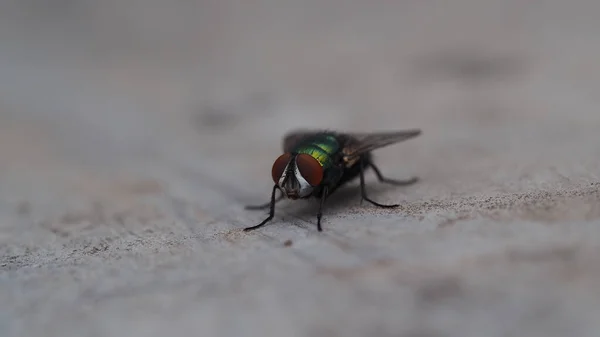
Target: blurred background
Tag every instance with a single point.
(103, 103)
(99, 82)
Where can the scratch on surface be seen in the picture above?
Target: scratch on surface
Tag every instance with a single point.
(453, 220)
(532, 205)
(353, 272)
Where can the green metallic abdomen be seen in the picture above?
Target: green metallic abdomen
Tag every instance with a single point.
(322, 148)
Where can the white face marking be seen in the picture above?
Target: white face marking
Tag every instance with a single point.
(283, 176)
(301, 189)
(305, 187)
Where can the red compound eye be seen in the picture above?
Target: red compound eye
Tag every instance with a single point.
(279, 166)
(310, 169)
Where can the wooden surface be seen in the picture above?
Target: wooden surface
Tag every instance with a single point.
(129, 146)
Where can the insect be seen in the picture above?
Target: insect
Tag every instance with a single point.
(316, 163)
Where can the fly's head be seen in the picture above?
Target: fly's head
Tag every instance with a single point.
(297, 175)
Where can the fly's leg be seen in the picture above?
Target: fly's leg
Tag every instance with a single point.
(363, 191)
(320, 212)
(392, 181)
(271, 212)
(263, 206)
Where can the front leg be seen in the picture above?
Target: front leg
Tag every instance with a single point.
(271, 212)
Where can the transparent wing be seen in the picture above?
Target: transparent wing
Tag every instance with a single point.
(359, 143)
(355, 143)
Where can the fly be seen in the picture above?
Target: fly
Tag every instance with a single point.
(316, 163)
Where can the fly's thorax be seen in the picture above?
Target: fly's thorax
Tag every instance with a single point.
(322, 148)
(297, 174)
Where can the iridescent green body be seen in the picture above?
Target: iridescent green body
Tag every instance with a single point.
(323, 147)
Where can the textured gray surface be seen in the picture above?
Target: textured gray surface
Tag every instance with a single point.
(132, 133)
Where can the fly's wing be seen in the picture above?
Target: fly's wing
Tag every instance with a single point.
(359, 143)
(293, 138)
